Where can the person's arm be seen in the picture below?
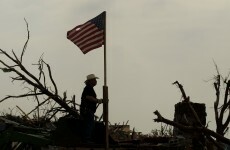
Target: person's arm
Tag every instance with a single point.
(93, 99)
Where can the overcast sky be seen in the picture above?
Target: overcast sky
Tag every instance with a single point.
(150, 44)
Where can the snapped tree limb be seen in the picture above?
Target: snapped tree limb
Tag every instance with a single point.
(38, 83)
(191, 129)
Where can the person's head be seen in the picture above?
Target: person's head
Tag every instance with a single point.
(91, 80)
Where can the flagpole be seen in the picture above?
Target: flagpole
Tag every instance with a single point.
(105, 94)
(105, 67)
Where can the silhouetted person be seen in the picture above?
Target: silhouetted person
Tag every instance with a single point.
(88, 107)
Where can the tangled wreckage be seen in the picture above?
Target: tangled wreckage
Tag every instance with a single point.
(19, 133)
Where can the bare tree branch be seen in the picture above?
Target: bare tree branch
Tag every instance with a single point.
(216, 103)
(51, 77)
(221, 111)
(40, 104)
(182, 91)
(191, 129)
(27, 77)
(19, 96)
(28, 37)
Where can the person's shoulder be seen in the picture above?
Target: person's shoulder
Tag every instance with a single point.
(88, 87)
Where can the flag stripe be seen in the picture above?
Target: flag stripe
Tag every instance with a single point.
(94, 35)
(72, 32)
(85, 35)
(92, 47)
(88, 43)
(82, 30)
(90, 35)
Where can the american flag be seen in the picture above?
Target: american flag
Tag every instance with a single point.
(90, 35)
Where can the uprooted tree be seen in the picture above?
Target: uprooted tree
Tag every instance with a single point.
(37, 86)
(222, 112)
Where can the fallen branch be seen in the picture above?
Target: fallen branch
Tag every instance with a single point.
(190, 129)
